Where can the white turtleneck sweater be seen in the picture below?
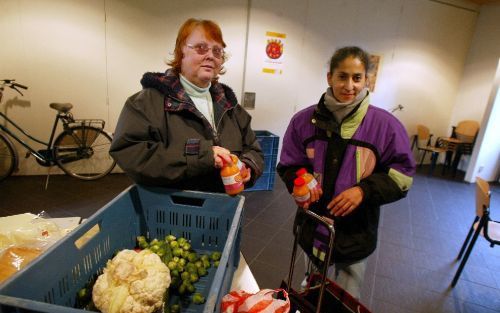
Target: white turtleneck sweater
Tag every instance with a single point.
(201, 98)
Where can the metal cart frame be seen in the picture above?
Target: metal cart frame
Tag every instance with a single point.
(320, 290)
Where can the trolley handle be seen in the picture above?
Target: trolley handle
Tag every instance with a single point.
(322, 220)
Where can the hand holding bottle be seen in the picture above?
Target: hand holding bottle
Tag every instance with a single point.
(313, 185)
(221, 154)
(231, 177)
(301, 192)
(245, 171)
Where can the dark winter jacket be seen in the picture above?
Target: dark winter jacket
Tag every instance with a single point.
(161, 139)
(370, 149)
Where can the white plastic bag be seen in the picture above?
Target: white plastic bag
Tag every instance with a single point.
(24, 237)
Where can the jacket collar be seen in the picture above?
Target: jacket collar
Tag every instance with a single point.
(176, 98)
(324, 119)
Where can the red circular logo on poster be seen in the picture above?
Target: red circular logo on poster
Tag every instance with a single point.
(274, 49)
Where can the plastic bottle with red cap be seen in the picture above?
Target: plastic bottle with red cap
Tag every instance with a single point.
(301, 192)
(311, 182)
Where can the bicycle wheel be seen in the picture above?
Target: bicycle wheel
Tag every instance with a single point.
(83, 152)
(8, 157)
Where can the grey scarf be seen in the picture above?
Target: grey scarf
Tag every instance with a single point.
(340, 109)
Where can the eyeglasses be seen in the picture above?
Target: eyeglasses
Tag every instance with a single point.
(202, 49)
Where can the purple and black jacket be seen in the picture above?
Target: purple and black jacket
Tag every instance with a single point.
(369, 148)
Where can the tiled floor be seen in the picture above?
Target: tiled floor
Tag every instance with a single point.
(410, 271)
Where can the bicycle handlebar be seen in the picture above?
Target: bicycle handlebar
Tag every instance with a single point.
(11, 84)
(19, 85)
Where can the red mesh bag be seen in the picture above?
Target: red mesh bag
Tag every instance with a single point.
(264, 301)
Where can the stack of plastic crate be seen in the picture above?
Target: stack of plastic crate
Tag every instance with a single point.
(269, 143)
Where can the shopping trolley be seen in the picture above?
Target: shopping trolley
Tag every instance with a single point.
(321, 294)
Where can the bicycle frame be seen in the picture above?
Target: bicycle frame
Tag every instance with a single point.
(66, 149)
(39, 154)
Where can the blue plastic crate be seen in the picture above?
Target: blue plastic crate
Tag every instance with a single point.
(265, 182)
(212, 222)
(270, 163)
(268, 142)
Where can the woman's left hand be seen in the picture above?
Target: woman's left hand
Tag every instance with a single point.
(248, 174)
(346, 202)
(316, 194)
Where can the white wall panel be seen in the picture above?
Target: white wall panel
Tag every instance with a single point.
(432, 47)
(480, 67)
(423, 45)
(141, 38)
(276, 94)
(478, 97)
(57, 49)
(372, 25)
(93, 54)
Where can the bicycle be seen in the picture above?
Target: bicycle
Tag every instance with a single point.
(81, 150)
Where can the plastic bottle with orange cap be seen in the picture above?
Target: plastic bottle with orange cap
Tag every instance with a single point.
(244, 171)
(232, 175)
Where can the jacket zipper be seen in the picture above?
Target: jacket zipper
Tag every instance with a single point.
(216, 131)
(201, 116)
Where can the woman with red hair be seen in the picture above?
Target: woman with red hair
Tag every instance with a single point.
(177, 131)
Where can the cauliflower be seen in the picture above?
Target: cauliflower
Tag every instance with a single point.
(132, 282)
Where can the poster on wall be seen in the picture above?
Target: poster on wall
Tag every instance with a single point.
(274, 53)
(372, 74)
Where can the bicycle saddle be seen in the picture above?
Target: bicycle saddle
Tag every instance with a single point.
(61, 107)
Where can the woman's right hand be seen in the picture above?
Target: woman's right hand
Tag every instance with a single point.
(219, 154)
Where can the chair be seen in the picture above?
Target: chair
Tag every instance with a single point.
(423, 142)
(482, 225)
(461, 142)
(466, 132)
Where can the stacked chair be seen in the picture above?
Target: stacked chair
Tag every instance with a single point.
(461, 142)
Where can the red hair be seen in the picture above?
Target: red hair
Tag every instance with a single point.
(212, 32)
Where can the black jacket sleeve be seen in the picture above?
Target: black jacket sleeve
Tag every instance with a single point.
(379, 189)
